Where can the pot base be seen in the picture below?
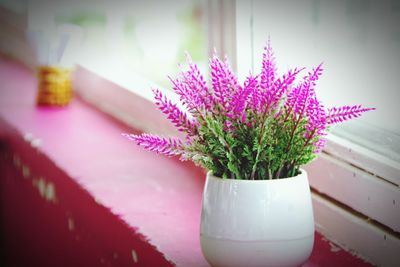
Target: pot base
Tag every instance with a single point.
(274, 253)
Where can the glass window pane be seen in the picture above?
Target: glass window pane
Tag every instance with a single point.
(143, 38)
(359, 43)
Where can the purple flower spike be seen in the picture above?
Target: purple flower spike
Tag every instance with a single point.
(273, 95)
(192, 90)
(268, 71)
(316, 124)
(174, 114)
(299, 97)
(340, 114)
(193, 101)
(167, 146)
(239, 100)
(316, 118)
(196, 83)
(224, 81)
(319, 145)
(265, 128)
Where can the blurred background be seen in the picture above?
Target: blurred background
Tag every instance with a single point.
(358, 41)
(147, 38)
(138, 44)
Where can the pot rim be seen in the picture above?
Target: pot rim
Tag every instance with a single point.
(302, 174)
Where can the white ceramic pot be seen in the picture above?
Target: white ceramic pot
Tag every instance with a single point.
(257, 223)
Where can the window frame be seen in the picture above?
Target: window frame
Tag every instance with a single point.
(356, 155)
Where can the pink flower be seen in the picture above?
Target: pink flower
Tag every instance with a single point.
(223, 80)
(230, 121)
(174, 114)
(340, 114)
(166, 146)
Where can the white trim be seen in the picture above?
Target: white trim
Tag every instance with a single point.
(375, 198)
(355, 234)
(222, 29)
(244, 22)
(364, 159)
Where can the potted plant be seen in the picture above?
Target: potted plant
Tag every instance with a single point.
(252, 139)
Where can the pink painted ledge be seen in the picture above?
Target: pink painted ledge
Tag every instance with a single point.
(105, 189)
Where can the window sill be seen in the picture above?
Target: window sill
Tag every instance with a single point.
(102, 191)
(93, 195)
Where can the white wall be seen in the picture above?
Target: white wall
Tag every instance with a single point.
(358, 41)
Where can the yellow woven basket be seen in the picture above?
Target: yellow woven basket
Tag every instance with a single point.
(54, 86)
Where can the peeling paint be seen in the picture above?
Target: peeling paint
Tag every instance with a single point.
(334, 248)
(47, 190)
(17, 161)
(98, 201)
(358, 255)
(134, 256)
(50, 192)
(71, 224)
(36, 142)
(25, 171)
(28, 137)
(41, 184)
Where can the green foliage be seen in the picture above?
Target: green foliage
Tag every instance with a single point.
(265, 129)
(271, 150)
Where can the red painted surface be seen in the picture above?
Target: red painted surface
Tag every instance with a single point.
(110, 197)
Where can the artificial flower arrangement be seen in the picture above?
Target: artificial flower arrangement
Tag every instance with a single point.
(266, 128)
